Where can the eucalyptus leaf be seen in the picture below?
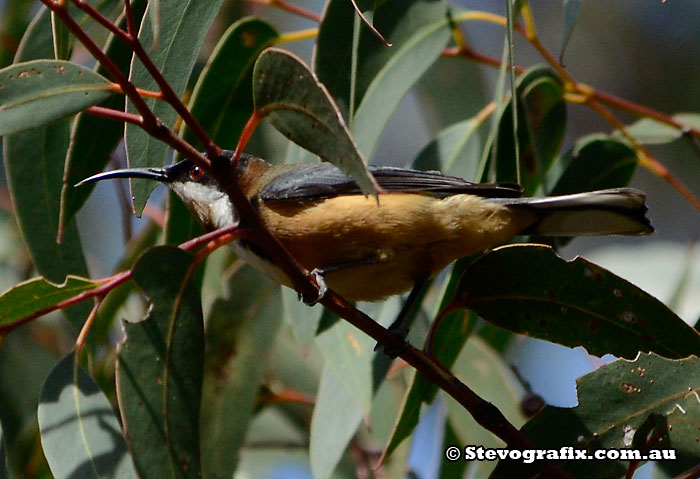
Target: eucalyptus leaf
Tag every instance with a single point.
(530, 290)
(159, 369)
(35, 295)
(37, 92)
(183, 27)
(33, 164)
(80, 434)
(300, 107)
(654, 132)
(92, 138)
(647, 403)
(241, 329)
(4, 472)
(571, 12)
(336, 417)
(542, 122)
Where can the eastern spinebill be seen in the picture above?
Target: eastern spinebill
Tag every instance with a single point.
(366, 249)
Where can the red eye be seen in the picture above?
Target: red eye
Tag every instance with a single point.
(195, 172)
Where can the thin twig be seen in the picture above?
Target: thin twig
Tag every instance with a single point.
(288, 7)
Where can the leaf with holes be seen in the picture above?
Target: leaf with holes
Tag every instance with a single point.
(650, 403)
(530, 290)
(159, 369)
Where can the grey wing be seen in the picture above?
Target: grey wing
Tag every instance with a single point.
(323, 180)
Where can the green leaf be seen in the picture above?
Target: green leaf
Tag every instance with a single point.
(409, 61)
(379, 75)
(653, 132)
(241, 329)
(80, 434)
(33, 162)
(4, 472)
(595, 162)
(650, 402)
(336, 417)
(485, 371)
(159, 370)
(62, 39)
(92, 138)
(303, 319)
(349, 353)
(300, 107)
(183, 27)
(571, 11)
(35, 295)
(530, 290)
(448, 339)
(37, 92)
(222, 100)
(454, 151)
(542, 122)
(397, 20)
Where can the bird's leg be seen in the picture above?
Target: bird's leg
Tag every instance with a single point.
(320, 273)
(402, 323)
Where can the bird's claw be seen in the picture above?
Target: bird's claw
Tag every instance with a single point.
(317, 274)
(394, 350)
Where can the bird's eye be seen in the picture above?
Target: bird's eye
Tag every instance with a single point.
(195, 172)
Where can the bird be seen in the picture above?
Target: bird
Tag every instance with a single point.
(368, 249)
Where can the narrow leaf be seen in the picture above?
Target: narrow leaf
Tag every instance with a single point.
(337, 42)
(62, 39)
(350, 353)
(410, 60)
(454, 151)
(530, 290)
(542, 121)
(159, 370)
(222, 102)
(37, 294)
(4, 472)
(241, 329)
(648, 403)
(571, 11)
(93, 139)
(300, 107)
(485, 371)
(33, 162)
(37, 92)
(650, 131)
(222, 99)
(303, 320)
(183, 27)
(336, 417)
(80, 434)
(448, 340)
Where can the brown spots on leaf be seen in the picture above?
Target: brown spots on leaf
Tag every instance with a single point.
(249, 38)
(630, 388)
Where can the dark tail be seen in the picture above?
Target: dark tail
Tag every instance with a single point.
(618, 211)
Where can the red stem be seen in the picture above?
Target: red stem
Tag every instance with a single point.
(117, 115)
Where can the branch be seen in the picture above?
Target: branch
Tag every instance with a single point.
(288, 7)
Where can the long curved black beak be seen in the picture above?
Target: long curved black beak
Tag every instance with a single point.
(158, 174)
